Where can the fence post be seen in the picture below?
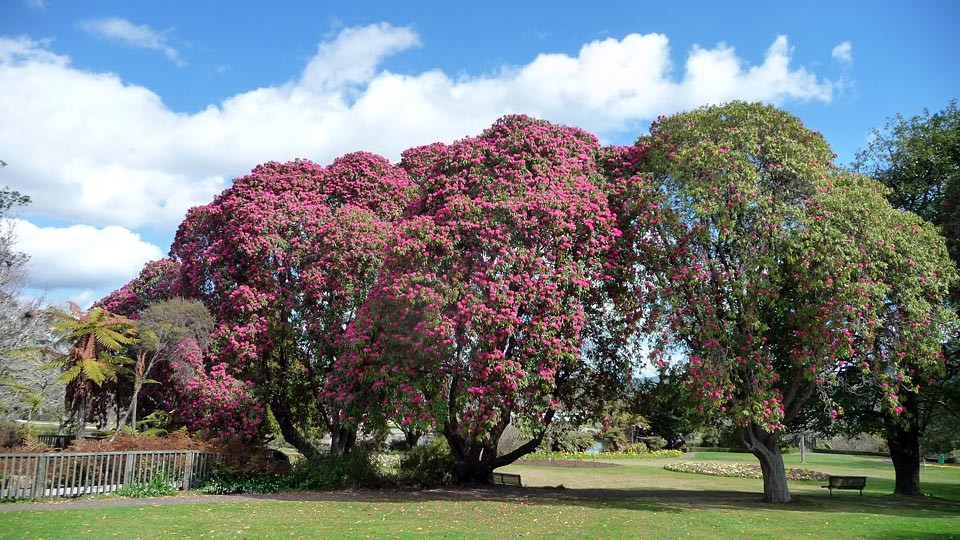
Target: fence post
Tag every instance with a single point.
(128, 460)
(188, 470)
(39, 478)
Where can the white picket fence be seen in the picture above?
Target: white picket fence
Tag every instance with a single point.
(62, 474)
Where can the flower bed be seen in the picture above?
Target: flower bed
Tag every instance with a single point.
(656, 454)
(740, 470)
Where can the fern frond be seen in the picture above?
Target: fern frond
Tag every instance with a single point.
(94, 371)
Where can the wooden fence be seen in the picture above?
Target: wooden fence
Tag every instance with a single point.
(64, 474)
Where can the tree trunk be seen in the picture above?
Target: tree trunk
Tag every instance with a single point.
(904, 443)
(411, 436)
(290, 433)
(765, 446)
(82, 418)
(342, 439)
(475, 462)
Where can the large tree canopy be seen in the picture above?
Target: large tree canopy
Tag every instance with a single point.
(477, 320)
(769, 268)
(284, 258)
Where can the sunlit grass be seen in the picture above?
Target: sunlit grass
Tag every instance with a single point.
(637, 499)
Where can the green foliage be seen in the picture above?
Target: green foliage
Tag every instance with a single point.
(160, 485)
(227, 482)
(327, 472)
(636, 448)
(567, 437)
(666, 403)
(428, 466)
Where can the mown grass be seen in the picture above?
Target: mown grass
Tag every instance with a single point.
(637, 499)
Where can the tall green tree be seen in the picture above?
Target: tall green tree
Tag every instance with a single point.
(769, 269)
(918, 159)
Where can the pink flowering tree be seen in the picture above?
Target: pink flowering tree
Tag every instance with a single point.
(769, 270)
(213, 402)
(285, 257)
(478, 318)
(158, 281)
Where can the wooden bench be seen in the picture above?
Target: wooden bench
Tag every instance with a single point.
(846, 482)
(505, 479)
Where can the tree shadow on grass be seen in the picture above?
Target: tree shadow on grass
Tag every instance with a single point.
(648, 500)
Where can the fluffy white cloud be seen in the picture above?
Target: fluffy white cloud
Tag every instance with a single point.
(139, 36)
(127, 159)
(90, 148)
(843, 52)
(81, 256)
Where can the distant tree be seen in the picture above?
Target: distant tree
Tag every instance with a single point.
(769, 268)
(667, 404)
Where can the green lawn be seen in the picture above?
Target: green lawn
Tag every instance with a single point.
(635, 500)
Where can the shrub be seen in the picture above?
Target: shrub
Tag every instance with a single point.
(160, 485)
(125, 441)
(329, 472)
(635, 448)
(12, 434)
(428, 466)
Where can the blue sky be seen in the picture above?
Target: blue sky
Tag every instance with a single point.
(118, 116)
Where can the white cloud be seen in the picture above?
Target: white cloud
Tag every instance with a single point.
(139, 36)
(37, 5)
(81, 256)
(843, 52)
(90, 148)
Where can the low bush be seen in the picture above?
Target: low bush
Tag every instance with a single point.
(176, 440)
(427, 466)
(160, 485)
(329, 472)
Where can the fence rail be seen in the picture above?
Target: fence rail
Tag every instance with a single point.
(63, 474)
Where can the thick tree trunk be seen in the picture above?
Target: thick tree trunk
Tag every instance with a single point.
(475, 462)
(765, 446)
(904, 443)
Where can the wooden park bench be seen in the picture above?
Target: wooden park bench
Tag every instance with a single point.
(846, 482)
(505, 479)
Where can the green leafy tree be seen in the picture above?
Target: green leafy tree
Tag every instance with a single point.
(97, 337)
(918, 158)
(769, 269)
